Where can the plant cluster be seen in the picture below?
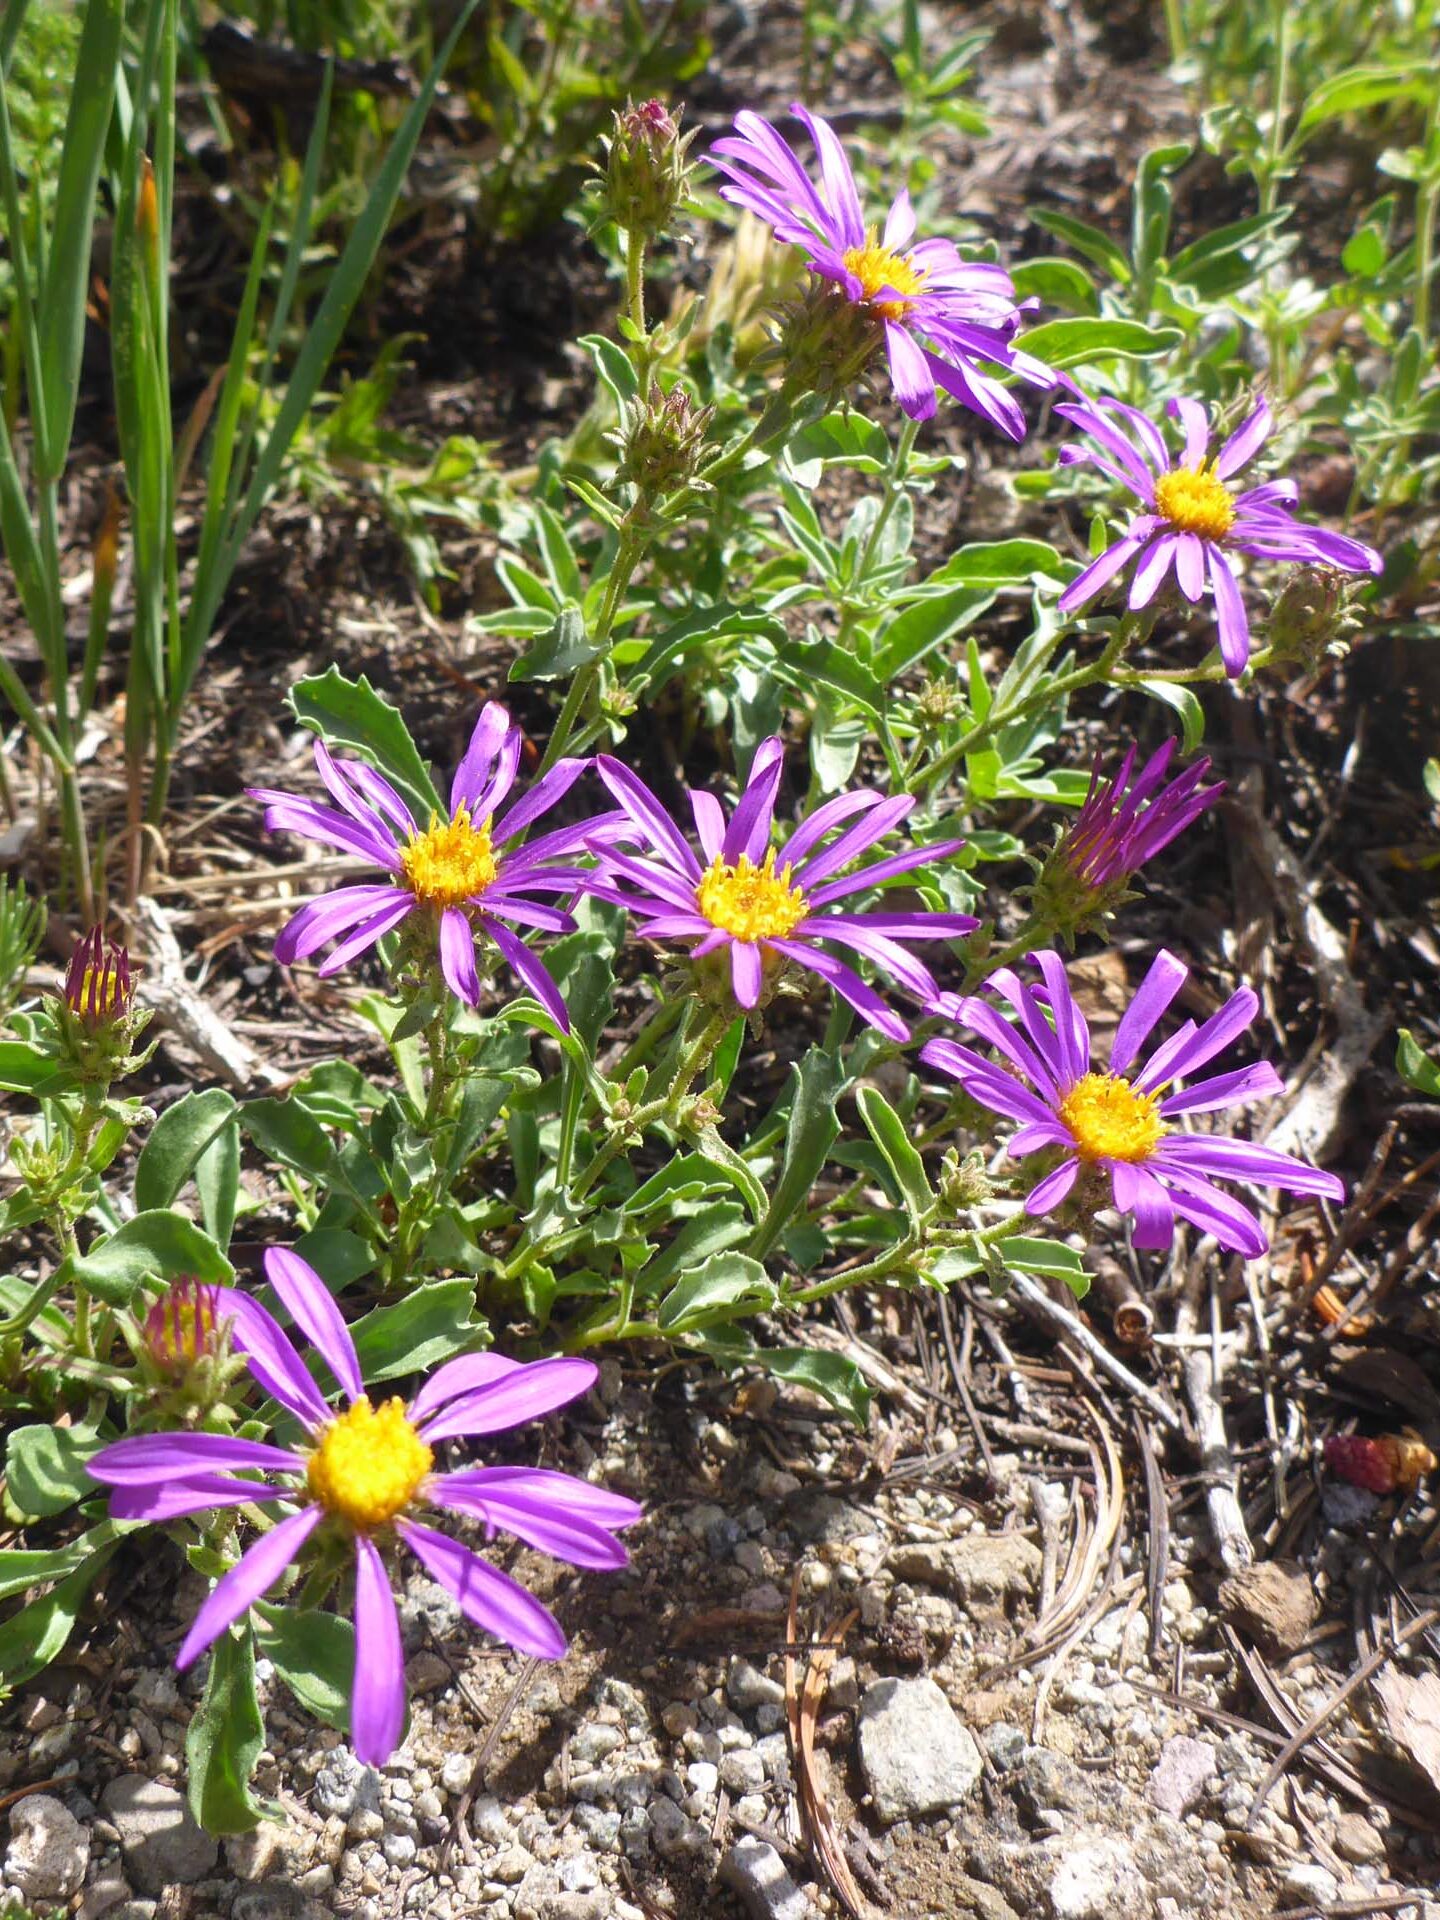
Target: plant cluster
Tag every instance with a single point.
(535, 1181)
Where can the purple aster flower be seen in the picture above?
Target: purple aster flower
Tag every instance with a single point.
(465, 872)
(364, 1474)
(1191, 517)
(1118, 1122)
(1122, 824)
(770, 915)
(940, 315)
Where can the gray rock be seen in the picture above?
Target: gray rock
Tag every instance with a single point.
(1184, 1766)
(426, 1609)
(255, 1855)
(134, 1910)
(672, 1832)
(748, 1688)
(743, 1772)
(270, 1900)
(1311, 1883)
(823, 1520)
(1356, 1840)
(511, 1867)
(1098, 1879)
(455, 1771)
(1004, 1744)
(162, 1843)
(1046, 1782)
(987, 1902)
(399, 1849)
(49, 1850)
(916, 1755)
(343, 1784)
(600, 1826)
(590, 1744)
(575, 1906)
(987, 1567)
(103, 1894)
(757, 1874)
(578, 1874)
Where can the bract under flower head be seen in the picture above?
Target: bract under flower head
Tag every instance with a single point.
(469, 870)
(368, 1474)
(1191, 518)
(765, 906)
(940, 318)
(1120, 1122)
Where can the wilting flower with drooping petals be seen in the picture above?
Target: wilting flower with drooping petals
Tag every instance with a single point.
(1191, 517)
(1119, 1123)
(98, 984)
(466, 872)
(940, 316)
(365, 1474)
(768, 905)
(1122, 824)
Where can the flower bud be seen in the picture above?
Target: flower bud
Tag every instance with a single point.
(97, 1021)
(98, 986)
(1313, 616)
(824, 343)
(964, 1184)
(663, 440)
(183, 1327)
(645, 181)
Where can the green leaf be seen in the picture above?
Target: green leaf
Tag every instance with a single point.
(1078, 342)
(177, 1140)
(838, 1381)
(922, 627)
(36, 1635)
(725, 1288)
(1056, 282)
(1181, 700)
(810, 1131)
(432, 1323)
(1416, 1067)
(561, 569)
(26, 1067)
(285, 1131)
(887, 1130)
(561, 650)
(1000, 563)
(45, 1469)
(1051, 1259)
(25, 1567)
(823, 663)
(225, 1739)
(614, 366)
(158, 1242)
(1096, 246)
(719, 1227)
(1194, 263)
(340, 1258)
(66, 287)
(1354, 91)
(314, 1654)
(1364, 253)
(352, 716)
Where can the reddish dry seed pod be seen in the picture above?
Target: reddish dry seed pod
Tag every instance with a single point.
(98, 984)
(1380, 1465)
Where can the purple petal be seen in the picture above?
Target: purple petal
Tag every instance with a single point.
(1141, 1194)
(1237, 1089)
(148, 1458)
(546, 793)
(1150, 574)
(912, 974)
(839, 181)
(528, 913)
(1221, 1214)
(889, 868)
(334, 774)
(1184, 1052)
(1036, 1134)
(1230, 615)
(200, 1493)
(1052, 1189)
(532, 971)
(457, 956)
(331, 914)
(749, 829)
(709, 822)
(569, 1536)
(899, 223)
(377, 1701)
(1247, 1160)
(525, 1393)
(880, 819)
(747, 972)
(648, 814)
(1246, 441)
(1113, 439)
(1071, 1033)
(848, 984)
(254, 1574)
(271, 1358)
(1100, 572)
(485, 1595)
(382, 796)
(465, 1375)
(910, 373)
(992, 1026)
(290, 813)
(367, 933)
(965, 382)
(1190, 566)
(1195, 422)
(308, 1301)
(562, 1492)
(1162, 982)
(829, 814)
(486, 739)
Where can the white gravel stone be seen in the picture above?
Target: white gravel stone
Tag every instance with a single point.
(455, 1772)
(757, 1874)
(49, 1850)
(162, 1842)
(917, 1757)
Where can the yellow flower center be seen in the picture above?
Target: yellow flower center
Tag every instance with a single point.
(753, 903)
(369, 1464)
(99, 988)
(877, 267)
(1110, 1120)
(1196, 500)
(450, 862)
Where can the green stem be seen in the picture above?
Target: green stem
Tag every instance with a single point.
(635, 295)
(694, 1058)
(898, 1257)
(1427, 196)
